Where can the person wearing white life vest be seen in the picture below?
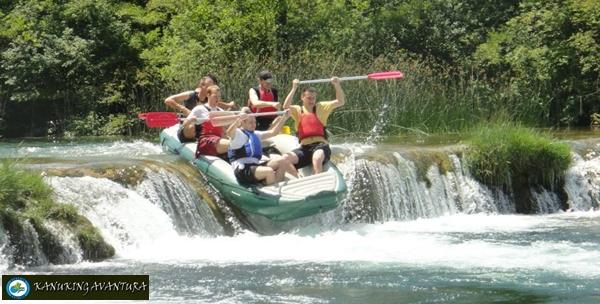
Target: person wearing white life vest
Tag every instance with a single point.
(210, 140)
(311, 121)
(245, 151)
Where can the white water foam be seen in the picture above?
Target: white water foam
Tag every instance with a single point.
(107, 149)
(458, 241)
(583, 181)
(124, 218)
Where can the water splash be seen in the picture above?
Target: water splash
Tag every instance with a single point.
(376, 131)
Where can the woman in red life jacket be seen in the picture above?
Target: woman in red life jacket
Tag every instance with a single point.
(311, 120)
(264, 98)
(210, 141)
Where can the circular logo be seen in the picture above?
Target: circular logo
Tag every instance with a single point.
(18, 288)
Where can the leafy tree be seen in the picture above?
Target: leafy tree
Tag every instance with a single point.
(551, 48)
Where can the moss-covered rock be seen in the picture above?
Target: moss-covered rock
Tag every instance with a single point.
(26, 206)
(517, 159)
(92, 244)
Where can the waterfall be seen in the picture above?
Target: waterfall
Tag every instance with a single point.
(388, 185)
(393, 183)
(190, 214)
(583, 181)
(124, 217)
(393, 190)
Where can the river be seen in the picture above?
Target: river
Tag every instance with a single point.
(403, 234)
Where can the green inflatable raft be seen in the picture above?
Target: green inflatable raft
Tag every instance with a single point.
(290, 199)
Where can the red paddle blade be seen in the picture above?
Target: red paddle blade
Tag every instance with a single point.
(386, 75)
(142, 116)
(161, 119)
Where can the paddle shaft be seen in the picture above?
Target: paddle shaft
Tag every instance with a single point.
(255, 114)
(329, 79)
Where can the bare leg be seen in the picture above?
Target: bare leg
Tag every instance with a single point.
(266, 173)
(189, 131)
(281, 166)
(222, 146)
(317, 161)
(292, 159)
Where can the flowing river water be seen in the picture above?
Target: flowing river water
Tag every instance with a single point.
(409, 231)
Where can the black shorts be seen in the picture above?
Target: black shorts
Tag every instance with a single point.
(183, 139)
(264, 122)
(305, 153)
(245, 175)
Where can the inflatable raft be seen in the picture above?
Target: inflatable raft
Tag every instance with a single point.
(290, 199)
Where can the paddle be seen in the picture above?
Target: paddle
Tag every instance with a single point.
(373, 76)
(167, 119)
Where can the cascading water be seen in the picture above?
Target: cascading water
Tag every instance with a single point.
(189, 213)
(583, 180)
(390, 188)
(414, 226)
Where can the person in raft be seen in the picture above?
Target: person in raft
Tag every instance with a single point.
(184, 102)
(310, 121)
(245, 151)
(263, 98)
(210, 139)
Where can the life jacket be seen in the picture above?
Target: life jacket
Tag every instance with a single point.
(264, 96)
(251, 149)
(310, 125)
(193, 100)
(209, 129)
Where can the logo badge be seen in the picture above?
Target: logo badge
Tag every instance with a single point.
(18, 288)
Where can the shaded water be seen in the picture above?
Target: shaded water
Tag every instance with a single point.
(406, 233)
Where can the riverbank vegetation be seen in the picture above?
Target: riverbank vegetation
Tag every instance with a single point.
(85, 67)
(515, 159)
(27, 208)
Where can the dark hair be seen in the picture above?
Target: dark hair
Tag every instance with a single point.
(265, 74)
(310, 90)
(208, 76)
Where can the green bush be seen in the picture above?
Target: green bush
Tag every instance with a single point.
(505, 153)
(119, 124)
(91, 124)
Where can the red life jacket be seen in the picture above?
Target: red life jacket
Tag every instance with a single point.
(264, 96)
(209, 129)
(310, 125)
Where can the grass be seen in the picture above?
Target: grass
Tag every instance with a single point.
(505, 153)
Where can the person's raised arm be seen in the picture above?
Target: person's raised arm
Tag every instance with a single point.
(236, 124)
(288, 100)
(276, 129)
(340, 97)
